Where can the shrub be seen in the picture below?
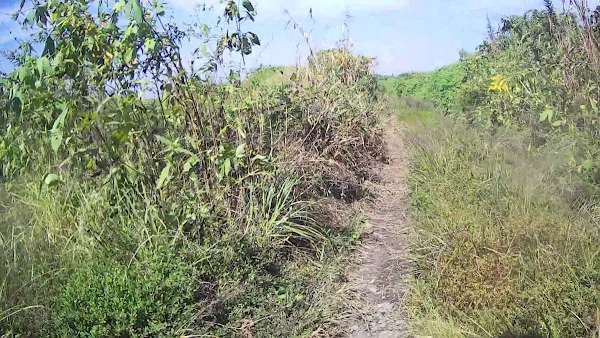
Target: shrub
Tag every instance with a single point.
(153, 295)
(438, 86)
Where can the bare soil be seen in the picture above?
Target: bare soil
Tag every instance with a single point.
(381, 276)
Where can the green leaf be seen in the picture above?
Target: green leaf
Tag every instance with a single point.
(121, 135)
(58, 59)
(149, 44)
(52, 180)
(49, 47)
(118, 6)
(41, 14)
(205, 30)
(225, 168)
(259, 158)
(23, 73)
(99, 108)
(557, 123)
(158, 8)
(137, 11)
(131, 29)
(56, 133)
(587, 164)
(254, 39)
(56, 137)
(594, 105)
(232, 10)
(30, 18)
(248, 6)
(43, 65)
(163, 140)
(546, 115)
(164, 176)
(187, 166)
(240, 151)
(17, 101)
(128, 54)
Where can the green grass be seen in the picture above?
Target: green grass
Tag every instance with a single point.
(413, 112)
(136, 277)
(387, 83)
(504, 245)
(272, 76)
(438, 87)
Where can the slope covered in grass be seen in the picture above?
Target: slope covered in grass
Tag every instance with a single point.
(501, 248)
(504, 192)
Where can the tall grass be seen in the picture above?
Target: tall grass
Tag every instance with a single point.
(505, 192)
(502, 248)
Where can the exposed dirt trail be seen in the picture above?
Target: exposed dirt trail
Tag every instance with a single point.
(381, 276)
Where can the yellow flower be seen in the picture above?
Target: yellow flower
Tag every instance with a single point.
(499, 84)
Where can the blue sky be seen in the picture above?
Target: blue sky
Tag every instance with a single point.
(404, 35)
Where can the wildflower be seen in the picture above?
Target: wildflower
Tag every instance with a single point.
(499, 84)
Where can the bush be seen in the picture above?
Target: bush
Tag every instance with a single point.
(438, 87)
(153, 295)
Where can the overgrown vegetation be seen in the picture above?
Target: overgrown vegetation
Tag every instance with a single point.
(505, 245)
(438, 86)
(140, 199)
(504, 193)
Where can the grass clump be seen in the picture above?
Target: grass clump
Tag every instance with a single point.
(151, 295)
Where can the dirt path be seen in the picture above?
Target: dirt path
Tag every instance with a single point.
(380, 278)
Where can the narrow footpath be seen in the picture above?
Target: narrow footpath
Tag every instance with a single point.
(381, 276)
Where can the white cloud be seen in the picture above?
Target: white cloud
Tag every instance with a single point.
(331, 8)
(322, 8)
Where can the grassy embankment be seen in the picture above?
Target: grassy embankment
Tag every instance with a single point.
(504, 192)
